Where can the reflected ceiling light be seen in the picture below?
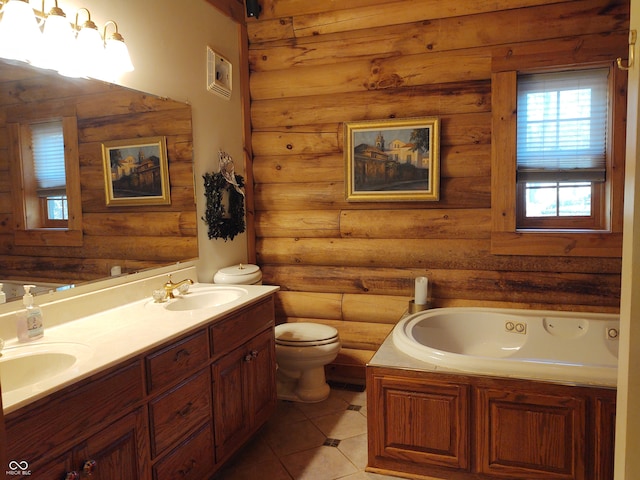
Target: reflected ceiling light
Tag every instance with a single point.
(19, 31)
(51, 41)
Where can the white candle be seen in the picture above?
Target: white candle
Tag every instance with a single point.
(422, 287)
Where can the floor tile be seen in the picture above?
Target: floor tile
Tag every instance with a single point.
(291, 444)
(355, 449)
(290, 437)
(322, 463)
(342, 425)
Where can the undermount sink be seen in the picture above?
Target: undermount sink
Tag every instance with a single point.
(205, 298)
(27, 365)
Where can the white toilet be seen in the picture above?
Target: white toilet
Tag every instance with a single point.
(302, 351)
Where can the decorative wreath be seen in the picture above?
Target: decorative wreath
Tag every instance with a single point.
(219, 226)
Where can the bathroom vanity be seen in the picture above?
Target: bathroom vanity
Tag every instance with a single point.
(177, 409)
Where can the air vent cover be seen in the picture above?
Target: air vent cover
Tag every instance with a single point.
(218, 74)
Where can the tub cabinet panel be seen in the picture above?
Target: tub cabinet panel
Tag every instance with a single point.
(422, 423)
(605, 436)
(531, 435)
(431, 425)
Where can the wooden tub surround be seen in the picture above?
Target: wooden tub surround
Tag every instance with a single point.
(430, 424)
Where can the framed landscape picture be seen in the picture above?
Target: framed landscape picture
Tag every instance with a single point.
(393, 160)
(136, 172)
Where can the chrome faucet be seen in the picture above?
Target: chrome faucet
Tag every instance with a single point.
(169, 287)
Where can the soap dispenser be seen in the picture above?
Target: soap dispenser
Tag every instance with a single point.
(30, 326)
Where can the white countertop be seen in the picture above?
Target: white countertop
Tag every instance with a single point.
(115, 335)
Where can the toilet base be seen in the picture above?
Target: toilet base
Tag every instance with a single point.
(309, 387)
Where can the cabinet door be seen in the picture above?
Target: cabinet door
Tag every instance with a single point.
(230, 402)
(261, 378)
(119, 451)
(531, 435)
(244, 392)
(417, 425)
(605, 434)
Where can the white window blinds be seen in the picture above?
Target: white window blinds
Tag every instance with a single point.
(562, 126)
(47, 141)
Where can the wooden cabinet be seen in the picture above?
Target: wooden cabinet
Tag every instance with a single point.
(524, 434)
(244, 392)
(210, 391)
(177, 411)
(99, 420)
(440, 425)
(114, 451)
(422, 423)
(244, 384)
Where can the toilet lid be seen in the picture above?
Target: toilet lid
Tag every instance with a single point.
(302, 334)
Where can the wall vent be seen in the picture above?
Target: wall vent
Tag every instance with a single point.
(218, 74)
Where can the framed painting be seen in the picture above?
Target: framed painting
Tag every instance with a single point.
(392, 160)
(136, 172)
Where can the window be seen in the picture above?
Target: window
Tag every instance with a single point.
(46, 179)
(561, 149)
(557, 168)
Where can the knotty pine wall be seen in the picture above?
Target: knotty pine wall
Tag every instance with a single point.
(134, 237)
(315, 65)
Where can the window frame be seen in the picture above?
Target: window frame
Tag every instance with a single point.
(25, 204)
(506, 237)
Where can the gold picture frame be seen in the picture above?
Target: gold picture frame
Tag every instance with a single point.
(392, 160)
(136, 172)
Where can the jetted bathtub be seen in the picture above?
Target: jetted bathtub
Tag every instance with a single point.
(543, 345)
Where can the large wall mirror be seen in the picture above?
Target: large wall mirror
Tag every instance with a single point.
(129, 238)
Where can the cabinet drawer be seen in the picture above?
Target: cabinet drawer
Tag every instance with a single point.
(57, 420)
(176, 361)
(236, 330)
(193, 460)
(180, 410)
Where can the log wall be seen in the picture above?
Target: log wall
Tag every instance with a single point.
(133, 237)
(316, 65)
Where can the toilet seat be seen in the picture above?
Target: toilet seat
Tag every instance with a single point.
(303, 334)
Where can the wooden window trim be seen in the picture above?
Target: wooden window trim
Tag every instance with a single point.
(72, 235)
(506, 239)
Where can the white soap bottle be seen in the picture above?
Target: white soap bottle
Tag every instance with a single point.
(3, 296)
(30, 326)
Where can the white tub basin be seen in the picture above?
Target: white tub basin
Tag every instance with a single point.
(25, 366)
(548, 345)
(205, 298)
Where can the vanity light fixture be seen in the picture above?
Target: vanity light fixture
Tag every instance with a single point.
(51, 41)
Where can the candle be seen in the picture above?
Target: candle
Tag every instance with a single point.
(422, 288)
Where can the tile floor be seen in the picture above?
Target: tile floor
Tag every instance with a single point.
(320, 441)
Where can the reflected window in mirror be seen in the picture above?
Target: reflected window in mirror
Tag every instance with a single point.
(44, 167)
(47, 207)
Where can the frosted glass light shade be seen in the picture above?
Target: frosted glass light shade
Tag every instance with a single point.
(58, 40)
(20, 35)
(116, 58)
(87, 55)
